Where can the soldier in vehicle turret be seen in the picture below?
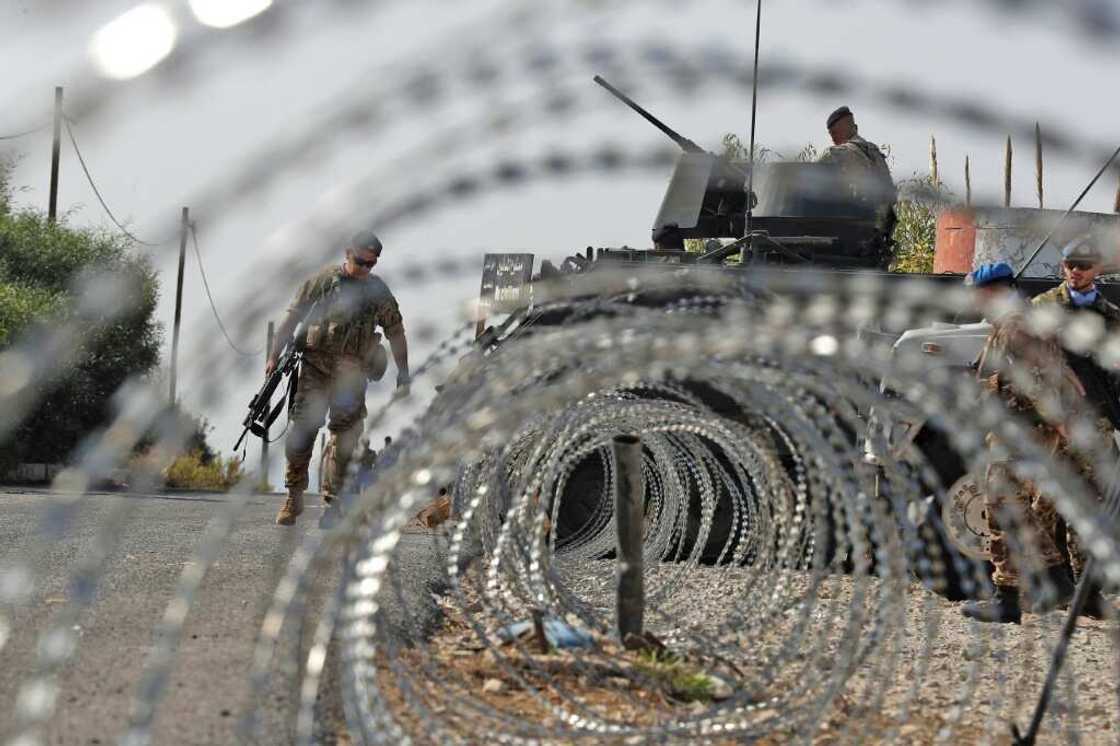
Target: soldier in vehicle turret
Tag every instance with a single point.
(849, 150)
(863, 164)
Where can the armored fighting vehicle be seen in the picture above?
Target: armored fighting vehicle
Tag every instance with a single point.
(791, 216)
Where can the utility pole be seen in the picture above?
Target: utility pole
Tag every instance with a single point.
(264, 439)
(56, 149)
(179, 298)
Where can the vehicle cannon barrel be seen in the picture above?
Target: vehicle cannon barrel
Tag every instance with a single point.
(684, 143)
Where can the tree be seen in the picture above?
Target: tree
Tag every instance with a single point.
(915, 233)
(43, 269)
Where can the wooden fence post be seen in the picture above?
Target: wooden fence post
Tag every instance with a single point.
(967, 183)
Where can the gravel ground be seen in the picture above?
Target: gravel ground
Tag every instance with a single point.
(208, 691)
(845, 660)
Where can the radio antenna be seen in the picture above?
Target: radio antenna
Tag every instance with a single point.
(754, 116)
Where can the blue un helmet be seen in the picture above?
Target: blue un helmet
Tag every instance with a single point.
(987, 274)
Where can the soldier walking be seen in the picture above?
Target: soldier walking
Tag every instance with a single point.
(344, 305)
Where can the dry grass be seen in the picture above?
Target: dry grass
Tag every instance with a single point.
(189, 471)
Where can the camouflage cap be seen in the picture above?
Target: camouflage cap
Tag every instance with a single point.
(837, 115)
(366, 240)
(1082, 249)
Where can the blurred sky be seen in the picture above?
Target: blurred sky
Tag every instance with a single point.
(173, 136)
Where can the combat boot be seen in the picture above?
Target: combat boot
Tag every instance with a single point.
(293, 506)
(1002, 608)
(1056, 592)
(1095, 604)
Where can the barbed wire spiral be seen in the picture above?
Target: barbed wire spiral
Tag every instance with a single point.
(795, 589)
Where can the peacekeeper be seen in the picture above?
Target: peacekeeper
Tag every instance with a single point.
(344, 305)
(862, 162)
(1082, 263)
(1020, 517)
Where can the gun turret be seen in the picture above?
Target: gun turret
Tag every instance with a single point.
(703, 183)
(684, 143)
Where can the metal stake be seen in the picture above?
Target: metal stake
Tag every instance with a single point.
(1007, 155)
(1038, 163)
(1084, 586)
(1080, 596)
(629, 519)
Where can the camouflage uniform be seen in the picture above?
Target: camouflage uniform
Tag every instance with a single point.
(343, 349)
(1100, 385)
(1099, 390)
(865, 169)
(1060, 295)
(1042, 388)
(859, 158)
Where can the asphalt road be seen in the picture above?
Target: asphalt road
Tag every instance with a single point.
(208, 690)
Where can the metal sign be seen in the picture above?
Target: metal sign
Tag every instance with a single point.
(506, 281)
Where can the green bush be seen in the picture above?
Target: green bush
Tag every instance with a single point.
(21, 304)
(192, 472)
(44, 268)
(185, 460)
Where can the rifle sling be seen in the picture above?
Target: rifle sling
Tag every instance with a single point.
(293, 386)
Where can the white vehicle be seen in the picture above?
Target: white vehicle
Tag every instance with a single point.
(956, 511)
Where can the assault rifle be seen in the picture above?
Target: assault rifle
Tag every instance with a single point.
(261, 412)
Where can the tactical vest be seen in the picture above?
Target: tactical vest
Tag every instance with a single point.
(348, 313)
(1100, 385)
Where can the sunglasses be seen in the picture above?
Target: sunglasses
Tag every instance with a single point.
(1078, 265)
(364, 263)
